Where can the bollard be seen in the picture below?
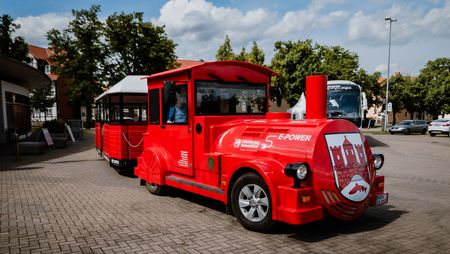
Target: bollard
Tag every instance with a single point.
(16, 136)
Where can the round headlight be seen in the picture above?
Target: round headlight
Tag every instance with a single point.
(302, 172)
(378, 161)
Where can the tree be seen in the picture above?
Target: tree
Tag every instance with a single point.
(435, 78)
(242, 56)
(397, 86)
(80, 55)
(370, 86)
(339, 63)
(15, 48)
(293, 61)
(225, 51)
(256, 55)
(136, 47)
(41, 99)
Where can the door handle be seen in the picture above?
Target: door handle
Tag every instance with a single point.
(163, 126)
(198, 128)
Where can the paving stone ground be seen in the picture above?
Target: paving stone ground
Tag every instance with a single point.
(71, 201)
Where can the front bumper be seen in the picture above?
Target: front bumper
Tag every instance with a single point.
(397, 130)
(298, 205)
(379, 196)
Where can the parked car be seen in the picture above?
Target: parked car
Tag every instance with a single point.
(440, 126)
(409, 126)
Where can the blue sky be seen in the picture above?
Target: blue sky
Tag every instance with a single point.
(422, 32)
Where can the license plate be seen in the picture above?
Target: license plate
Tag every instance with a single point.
(382, 199)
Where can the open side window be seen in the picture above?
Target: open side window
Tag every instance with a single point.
(175, 106)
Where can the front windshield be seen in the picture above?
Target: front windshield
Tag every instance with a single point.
(343, 103)
(219, 98)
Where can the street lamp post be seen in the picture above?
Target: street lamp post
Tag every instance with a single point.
(389, 66)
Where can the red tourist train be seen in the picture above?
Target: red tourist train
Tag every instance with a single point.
(121, 116)
(210, 133)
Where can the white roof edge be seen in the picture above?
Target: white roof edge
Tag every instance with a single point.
(341, 82)
(129, 84)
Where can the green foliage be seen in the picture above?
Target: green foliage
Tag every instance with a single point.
(435, 79)
(370, 85)
(136, 47)
(55, 126)
(339, 63)
(242, 56)
(293, 61)
(92, 54)
(15, 48)
(43, 98)
(225, 51)
(256, 55)
(80, 55)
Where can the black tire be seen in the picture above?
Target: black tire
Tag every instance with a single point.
(432, 134)
(257, 214)
(155, 189)
(391, 133)
(423, 132)
(407, 131)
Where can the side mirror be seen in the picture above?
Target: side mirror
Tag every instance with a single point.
(278, 94)
(364, 101)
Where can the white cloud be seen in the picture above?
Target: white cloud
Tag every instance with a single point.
(199, 20)
(199, 26)
(34, 28)
(307, 20)
(411, 22)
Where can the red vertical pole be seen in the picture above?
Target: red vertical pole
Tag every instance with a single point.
(316, 97)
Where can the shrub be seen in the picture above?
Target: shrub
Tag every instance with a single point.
(54, 126)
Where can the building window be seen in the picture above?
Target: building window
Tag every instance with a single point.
(48, 69)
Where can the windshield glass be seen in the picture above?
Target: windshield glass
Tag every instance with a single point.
(219, 98)
(343, 102)
(405, 123)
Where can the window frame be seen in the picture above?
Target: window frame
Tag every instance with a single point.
(249, 84)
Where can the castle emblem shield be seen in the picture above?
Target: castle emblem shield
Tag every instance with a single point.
(350, 167)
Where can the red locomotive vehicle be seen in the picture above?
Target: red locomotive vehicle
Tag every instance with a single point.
(121, 122)
(210, 133)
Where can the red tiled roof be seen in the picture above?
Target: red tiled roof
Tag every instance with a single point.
(188, 63)
(42, 54)
(39, 53)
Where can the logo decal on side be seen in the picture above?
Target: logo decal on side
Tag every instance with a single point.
(349, 161)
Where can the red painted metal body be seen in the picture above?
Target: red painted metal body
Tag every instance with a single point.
(122, 122)
(209, 152)
(123, 143)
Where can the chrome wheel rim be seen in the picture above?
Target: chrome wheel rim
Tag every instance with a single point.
(253, 202)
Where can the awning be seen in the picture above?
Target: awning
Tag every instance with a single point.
(22, 74)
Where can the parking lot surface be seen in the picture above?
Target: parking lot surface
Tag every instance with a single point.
(71, 201)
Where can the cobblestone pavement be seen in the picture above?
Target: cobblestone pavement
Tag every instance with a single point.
(71, 201)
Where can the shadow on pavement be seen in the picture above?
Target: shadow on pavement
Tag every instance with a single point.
(373, 142)
(197, 199)
(374, 218)
(9, 161)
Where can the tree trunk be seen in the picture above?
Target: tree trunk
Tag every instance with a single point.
(88, 116)
(393, 117)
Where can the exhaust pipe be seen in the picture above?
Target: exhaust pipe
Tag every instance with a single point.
(316, 97)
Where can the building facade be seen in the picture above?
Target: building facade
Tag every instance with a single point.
(17, 79)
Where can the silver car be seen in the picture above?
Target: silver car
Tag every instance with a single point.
(440, 126)
(409, 126)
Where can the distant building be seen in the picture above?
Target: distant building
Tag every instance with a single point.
(17, 79)
(378, 112)
(60, 87)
